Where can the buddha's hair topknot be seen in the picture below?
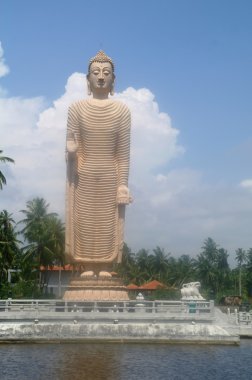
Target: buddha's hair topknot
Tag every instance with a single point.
(101, 57)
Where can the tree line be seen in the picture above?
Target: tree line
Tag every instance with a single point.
(38, 240)
(210, 266)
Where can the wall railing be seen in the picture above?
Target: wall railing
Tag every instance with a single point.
(136, 309)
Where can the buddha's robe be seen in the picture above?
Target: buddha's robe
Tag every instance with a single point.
(102, 130)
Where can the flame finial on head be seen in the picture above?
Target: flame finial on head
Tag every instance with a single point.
(101, 57)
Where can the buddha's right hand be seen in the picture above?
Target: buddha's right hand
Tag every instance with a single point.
(123, 195)
(71, 146)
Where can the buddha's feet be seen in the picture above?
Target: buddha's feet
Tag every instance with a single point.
(103, 273)
(88, 274)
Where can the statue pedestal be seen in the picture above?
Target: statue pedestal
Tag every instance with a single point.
(96, 289)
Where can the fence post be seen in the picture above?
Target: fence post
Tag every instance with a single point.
(236, 317)
(211, 304)
(7, 305)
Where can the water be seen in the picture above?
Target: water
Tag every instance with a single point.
(125, 362)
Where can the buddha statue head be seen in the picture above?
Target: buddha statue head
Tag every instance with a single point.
(100, 77)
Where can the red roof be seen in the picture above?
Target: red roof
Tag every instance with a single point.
(57, 268)
(132, 286)
(152, 285)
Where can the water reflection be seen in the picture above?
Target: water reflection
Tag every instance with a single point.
(88, 361)
(125, 361)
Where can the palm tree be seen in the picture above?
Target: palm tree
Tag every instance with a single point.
(248, 272)
(47, 248)
(159, 263)
(56, 238)
(240, 257)
(44, 233)
(144, 265)
(184, 270)
(223, 269)
(127, 268)
(210, 249)
(36, 216)
(9, 244)
(207, 265)
(2, 177)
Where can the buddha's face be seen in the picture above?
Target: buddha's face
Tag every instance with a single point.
(100, 78)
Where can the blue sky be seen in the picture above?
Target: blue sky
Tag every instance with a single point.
(193, 56)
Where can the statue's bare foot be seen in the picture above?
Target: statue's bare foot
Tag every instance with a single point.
(105, 274)
(88, 273)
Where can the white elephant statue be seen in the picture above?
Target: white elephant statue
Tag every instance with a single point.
(190, 291)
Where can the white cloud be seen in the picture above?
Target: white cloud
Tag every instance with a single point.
(54, 118)
(4, 69)
(154, 141)
(35, 137)
(20, 140)
(246, 184)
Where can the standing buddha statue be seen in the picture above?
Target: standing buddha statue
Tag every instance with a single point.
(97, 151)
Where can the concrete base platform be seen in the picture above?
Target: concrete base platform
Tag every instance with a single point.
(116, 332)
(96, 289)
(245, 331)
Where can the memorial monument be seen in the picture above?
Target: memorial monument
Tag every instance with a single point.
(97, 155)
